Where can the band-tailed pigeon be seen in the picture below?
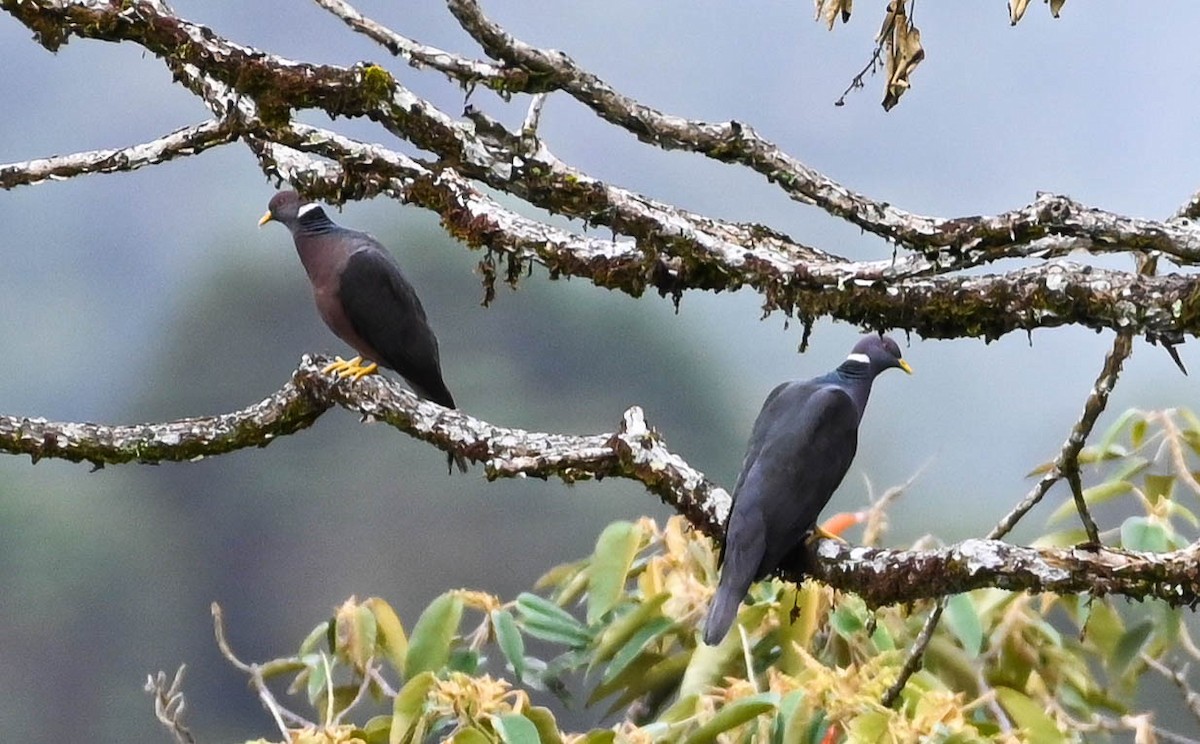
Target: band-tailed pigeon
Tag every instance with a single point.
(800, 449)
(365, 299)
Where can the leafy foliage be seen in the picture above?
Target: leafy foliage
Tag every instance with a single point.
(805, 664)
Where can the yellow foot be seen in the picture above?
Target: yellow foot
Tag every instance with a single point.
(820, 532)
(353, 368)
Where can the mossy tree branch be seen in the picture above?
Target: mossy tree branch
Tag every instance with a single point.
(633, 451)
(668, 248)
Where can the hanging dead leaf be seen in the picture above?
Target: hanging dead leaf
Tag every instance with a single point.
(1056, 7)
(902, 45)
(1016, 9)
(830, 10)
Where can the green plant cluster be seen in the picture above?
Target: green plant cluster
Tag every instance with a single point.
(804, 664)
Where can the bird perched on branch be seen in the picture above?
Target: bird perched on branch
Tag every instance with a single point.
(800, 448)
(365, 300)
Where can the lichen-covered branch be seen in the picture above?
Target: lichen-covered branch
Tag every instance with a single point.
(634, 451)
(662, 246)
(187, 141)
(738, 143)
(883, 576)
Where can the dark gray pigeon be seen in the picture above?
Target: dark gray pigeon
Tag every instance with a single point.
(364, 298)
(800, 449)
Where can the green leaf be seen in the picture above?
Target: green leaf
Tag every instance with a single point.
(516, 729)
(1137, 433)
(543, 619)
(1158, 487)
(632, 674)
(357, 632)
(1031, 716)
(793, 718)
(279, 667)
(1104, 627)
(869, 726)
(408, 709)
(848, 619)
(1175, 509)
(1093, 496)
(734, 715)
(1143, 533)
(615, 550)
(598, 736)
(663, 677)
(1113, 431)
(318, 676)
(618, 632)
(510, 640)
(882, 639)
(708, 663)
(429, 647)
(683, 709)
(1129, 647)
(964, 623)
(640, 640)
(470, 736)
(547, 727)
(465, 660)
(393, 641)
(377, 730)
(314, 637)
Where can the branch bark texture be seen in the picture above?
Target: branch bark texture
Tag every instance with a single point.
(920, 282)
(657, 245)
(634, 450)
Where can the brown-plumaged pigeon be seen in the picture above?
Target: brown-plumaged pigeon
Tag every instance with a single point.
(365, 300)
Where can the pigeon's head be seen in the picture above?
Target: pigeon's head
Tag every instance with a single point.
(287, 207)
(879, 353)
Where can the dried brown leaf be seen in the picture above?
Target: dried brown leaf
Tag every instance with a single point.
(1016, 9)
(902, 46)
(831, 10)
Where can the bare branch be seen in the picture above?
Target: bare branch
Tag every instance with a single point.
(257, 679)
(169, 704)
(456, 67)
(1068, 456)
(738, 143)
(187, 141)
(634, 451)
(1178, 677)
(882, 576)
(916, 654)
(674, 250)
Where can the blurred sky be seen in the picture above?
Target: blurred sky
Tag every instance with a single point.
(151, 296)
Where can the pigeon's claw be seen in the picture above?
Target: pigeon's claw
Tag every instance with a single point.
(350, 368)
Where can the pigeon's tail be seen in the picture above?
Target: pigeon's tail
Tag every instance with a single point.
(723, 609)
(721, 613)
(452, 459)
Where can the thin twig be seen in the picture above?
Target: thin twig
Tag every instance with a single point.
(1066, 464)
(1068, 456)
(254, 671)
(1179, 678)
(454, 66)
(915, 654)
(169, 703)
(858, 81)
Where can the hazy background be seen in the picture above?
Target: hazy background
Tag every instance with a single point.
(152, 296)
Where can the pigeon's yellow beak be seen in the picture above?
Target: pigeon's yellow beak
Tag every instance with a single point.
(903, 364)
(265, 218)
